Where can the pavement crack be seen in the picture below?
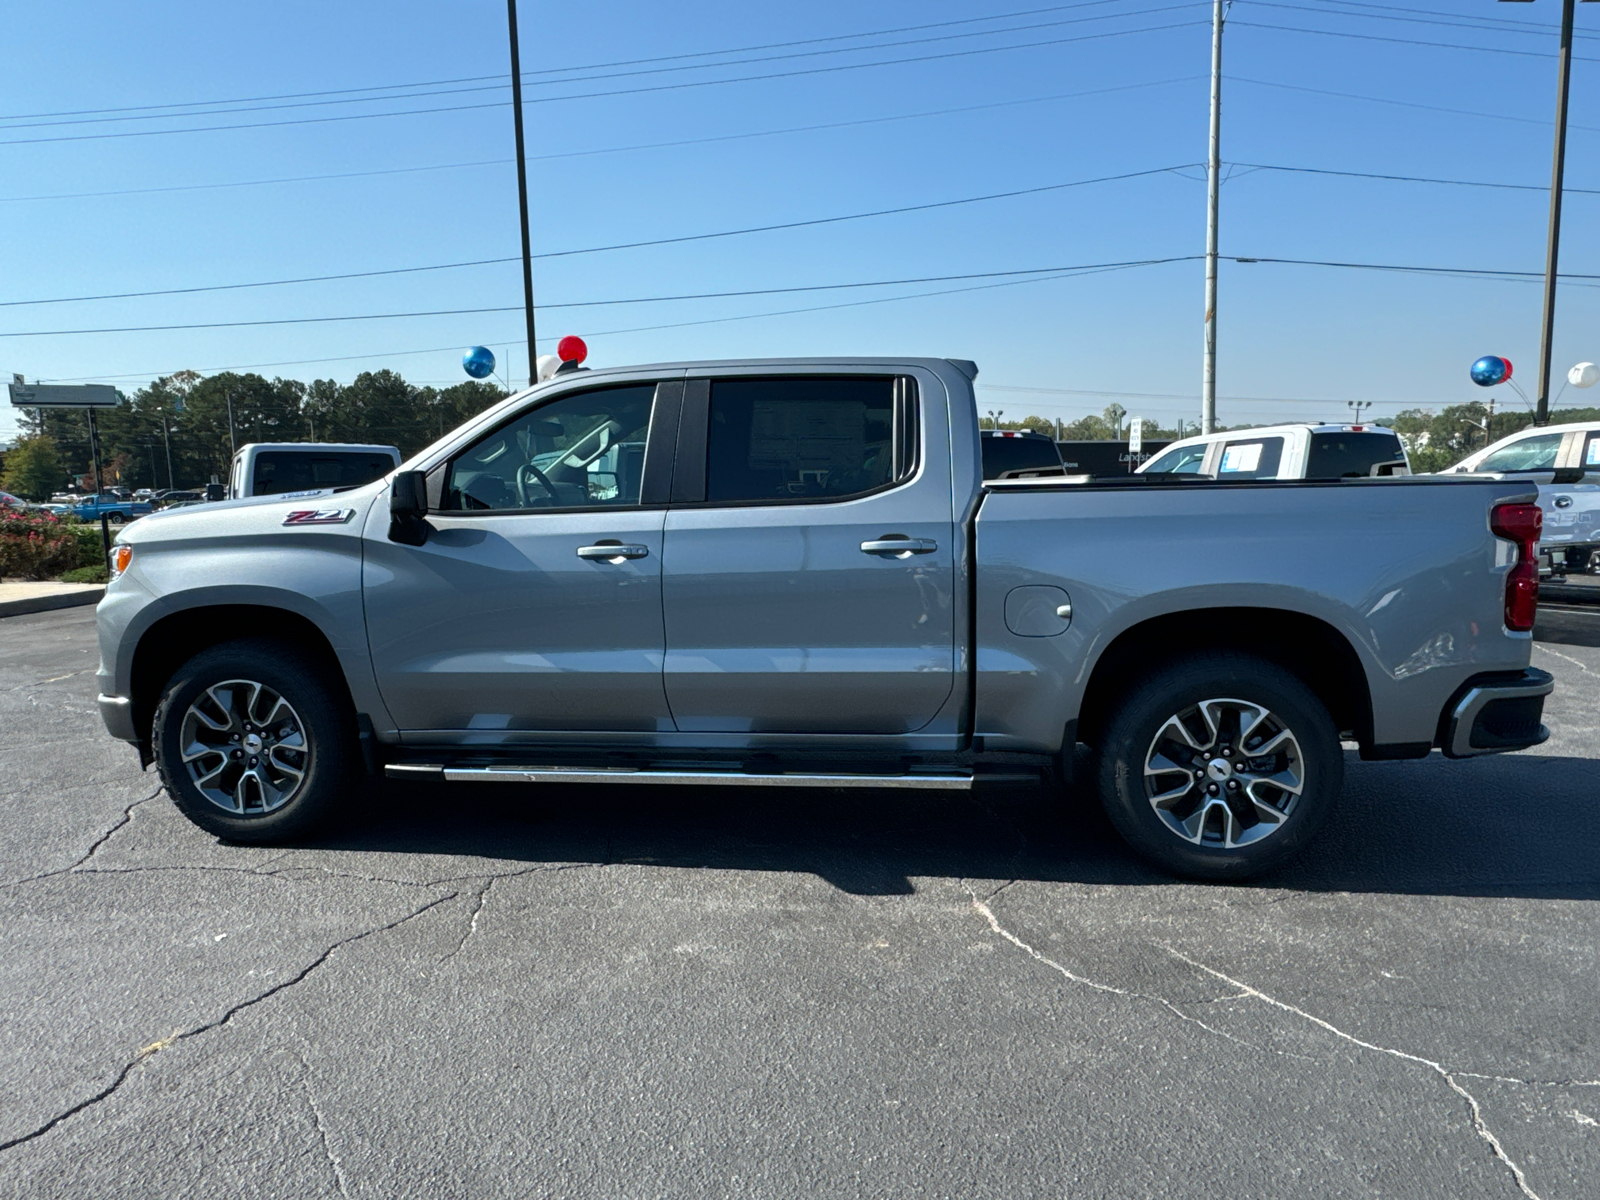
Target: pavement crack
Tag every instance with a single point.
(334, 1162)
(148, 1052)
(1449, 1076)
(1577, 662)
(472, 925)
(94, 848)
(987, 913)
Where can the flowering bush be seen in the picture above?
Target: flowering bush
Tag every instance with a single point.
(35, 545)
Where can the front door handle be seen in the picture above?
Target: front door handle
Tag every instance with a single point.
(612, 552)
(899, 547)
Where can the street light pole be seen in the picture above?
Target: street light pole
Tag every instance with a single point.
(166, 436)
(1208, 372)
(522, 185)
(1541, 414)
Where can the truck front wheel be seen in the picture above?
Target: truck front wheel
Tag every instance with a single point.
(1220, 766)
(253, 743)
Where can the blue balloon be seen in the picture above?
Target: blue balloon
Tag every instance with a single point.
(1490, 370)
(479, 362)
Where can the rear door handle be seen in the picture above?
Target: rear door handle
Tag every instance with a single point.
(899, 547)
(612, 552)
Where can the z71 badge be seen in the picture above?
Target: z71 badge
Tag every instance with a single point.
(319, 516)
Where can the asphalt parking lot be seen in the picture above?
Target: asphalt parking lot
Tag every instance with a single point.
(494, 991)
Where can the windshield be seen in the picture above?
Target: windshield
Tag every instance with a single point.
(1180, 460)
(1536, 453)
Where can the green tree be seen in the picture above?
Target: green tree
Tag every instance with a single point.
(33, 468)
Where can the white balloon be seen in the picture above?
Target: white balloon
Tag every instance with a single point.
(1584, 375)
(546, 365)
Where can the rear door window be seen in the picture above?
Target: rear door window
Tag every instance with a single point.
(1591, 453)
(1536, 453)
(1348, 455)
(777, 440)
(1254, 458)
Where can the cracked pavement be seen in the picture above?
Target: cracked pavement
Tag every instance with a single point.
(588, 992)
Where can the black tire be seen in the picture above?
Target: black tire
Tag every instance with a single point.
(327, 750)
(115, 518)
(1129, 739)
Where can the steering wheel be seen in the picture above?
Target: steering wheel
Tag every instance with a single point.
(529, 473)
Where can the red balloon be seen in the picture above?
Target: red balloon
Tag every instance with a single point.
(1507, 362)
(571, 349)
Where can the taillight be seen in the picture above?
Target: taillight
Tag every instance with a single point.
(1522, 524)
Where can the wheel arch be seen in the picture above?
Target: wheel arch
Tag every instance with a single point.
(1308, 647)
(175, 638)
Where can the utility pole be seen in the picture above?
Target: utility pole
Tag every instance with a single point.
(1208, 372)
(522, 185)
(232, 449)
(166, 436)
(1541, 414)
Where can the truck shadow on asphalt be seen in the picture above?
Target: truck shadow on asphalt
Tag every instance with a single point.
(1523, 825)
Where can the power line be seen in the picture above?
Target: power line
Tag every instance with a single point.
(497, 162)
(1373, 37)
(501, 84)
(1062, 273)
(665, 87)
(694, 237)
(1458, 112)
(453, 312)
(1542, 188)
(533, 75)
(1455, 21)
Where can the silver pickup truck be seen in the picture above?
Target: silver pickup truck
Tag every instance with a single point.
(791, 573)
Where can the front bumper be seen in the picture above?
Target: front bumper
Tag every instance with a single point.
(117, 713)
(1496, 712)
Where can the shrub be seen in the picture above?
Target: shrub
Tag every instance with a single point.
(35, 545)
(94, 574)
(87, 534)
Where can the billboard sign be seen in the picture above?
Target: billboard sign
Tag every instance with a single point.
(62, 395)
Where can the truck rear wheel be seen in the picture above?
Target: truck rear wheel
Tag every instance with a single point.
(253, 743)
(1220, 766)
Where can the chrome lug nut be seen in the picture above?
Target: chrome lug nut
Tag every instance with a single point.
(252, 762)
(238, 754)
(1212, 789)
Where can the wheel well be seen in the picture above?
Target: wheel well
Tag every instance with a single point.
(1311, 649)
(178, 637)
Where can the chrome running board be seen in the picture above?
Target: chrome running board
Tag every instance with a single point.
(939, 781)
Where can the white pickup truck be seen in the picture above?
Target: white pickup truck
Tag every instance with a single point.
(1303, 451)
(1564, 461)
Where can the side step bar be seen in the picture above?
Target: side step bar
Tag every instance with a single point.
(941, 781)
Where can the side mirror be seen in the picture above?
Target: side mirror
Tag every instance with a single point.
(408, 508)
(215, 492)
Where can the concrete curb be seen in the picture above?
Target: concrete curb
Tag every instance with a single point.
(50, 602)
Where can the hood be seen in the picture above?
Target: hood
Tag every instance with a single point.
(254, 516)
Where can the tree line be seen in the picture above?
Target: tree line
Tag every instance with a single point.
(175, 432)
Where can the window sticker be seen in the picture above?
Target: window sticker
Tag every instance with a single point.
(1592, 459)
(1242, 458)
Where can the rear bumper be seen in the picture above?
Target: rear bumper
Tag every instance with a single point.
(1496, 712)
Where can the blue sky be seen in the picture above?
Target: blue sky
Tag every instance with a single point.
(1058, 94)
